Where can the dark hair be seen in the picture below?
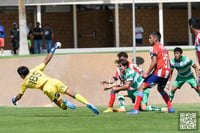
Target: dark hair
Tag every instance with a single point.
(194, 22)
(122, 54)
(23, 70)
(123, 62)
(156, 34)
(178, 49)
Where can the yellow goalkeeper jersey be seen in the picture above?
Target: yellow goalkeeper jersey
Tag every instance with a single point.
(35, 79)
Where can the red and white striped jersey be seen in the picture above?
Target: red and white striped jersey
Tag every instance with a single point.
(197, 46)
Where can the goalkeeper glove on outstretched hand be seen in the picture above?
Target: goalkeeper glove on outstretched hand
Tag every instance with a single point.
(55, 46)
(14, 101)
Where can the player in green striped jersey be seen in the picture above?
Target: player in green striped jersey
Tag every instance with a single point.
(183, 66)
(133, 80)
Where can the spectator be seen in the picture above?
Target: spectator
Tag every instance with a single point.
(2, 36)
(139, 34)
(14, 35)
(48, 36)
(37, 33)
(30, 37)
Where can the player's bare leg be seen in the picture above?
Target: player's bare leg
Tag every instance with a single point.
(197, 89)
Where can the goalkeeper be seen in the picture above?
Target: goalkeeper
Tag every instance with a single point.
(35, 78)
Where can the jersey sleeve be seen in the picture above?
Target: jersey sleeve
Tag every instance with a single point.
(23, 89)
(171, 65)
(197, 47)
(191, 62)
(137, 68)
(40, 67)
(153, 52)
(116, 76)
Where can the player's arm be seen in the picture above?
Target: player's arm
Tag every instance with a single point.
(50, 55)
(170, 77)
(15, 99)
(152, 65)
(196, 72)
(109, 84)
(123, 87)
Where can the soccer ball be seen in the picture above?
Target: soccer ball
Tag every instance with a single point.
(59, 44)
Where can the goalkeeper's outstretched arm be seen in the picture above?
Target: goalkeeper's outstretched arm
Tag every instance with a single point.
(50, 55)
(15, 99)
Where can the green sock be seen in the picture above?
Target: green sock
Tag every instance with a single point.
(121, 101)
(153, 108)
(171, 96)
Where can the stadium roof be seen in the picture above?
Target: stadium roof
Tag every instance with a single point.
(80, 2)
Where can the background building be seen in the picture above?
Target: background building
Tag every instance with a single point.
(92, 24)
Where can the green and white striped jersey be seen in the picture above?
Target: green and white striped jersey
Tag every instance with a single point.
(134, 77)
(183, 67)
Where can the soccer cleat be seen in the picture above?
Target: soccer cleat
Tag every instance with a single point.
(119, 110)
(134, 112)
(108, 110)
(94, 109)
(171, 110)
(68, 104)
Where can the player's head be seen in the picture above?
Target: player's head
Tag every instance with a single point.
(23, 71)
(178, 49)
(178, 53)
(194, 24)
(122, 55)
(154, 38)
(123, 65)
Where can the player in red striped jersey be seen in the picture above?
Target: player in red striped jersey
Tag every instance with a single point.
(194, 24)
(157, 73)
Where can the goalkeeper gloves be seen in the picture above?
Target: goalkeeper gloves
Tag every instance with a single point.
(14, 101)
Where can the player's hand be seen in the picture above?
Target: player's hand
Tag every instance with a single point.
(14, 101)
(103, 82)
(58, 44)
(144, 75)
(107, 88)
(167, 85)
(114, 88)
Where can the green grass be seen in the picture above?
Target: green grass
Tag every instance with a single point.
(82, 120)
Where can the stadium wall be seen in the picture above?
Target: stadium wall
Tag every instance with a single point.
(82, 73)
(95, 30)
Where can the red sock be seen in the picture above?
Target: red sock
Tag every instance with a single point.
(166, 98)
(138, 100)
(112, 99)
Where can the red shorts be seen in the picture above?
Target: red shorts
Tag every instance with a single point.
(1, 42)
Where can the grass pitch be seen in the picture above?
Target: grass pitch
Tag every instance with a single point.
(82, 120)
